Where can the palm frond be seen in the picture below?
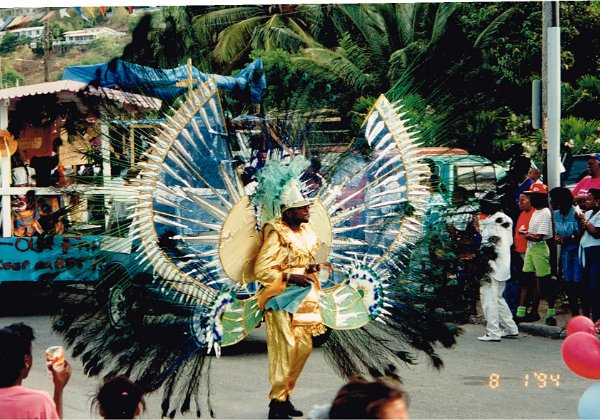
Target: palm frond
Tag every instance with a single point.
(371, 26)
(487, 36)
(279, 33)
(277, 37)
(401, 60)
(302, 34)
(406, 16)
(444, 11)
(210, 25)
(235, 39)
(333, 64)
(310, 14)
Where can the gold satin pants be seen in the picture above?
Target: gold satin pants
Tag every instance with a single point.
(288, 349)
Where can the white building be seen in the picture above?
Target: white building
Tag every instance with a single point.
(85, 36)
(22, 11)
(32, 32)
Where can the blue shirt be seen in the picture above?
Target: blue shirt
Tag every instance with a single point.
(566, 226)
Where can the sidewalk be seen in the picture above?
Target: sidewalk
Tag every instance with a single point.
(539, 328)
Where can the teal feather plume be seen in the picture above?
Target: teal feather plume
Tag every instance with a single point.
(273, 180)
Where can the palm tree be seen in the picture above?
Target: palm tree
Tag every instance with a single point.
(376, 41)
(236, 31)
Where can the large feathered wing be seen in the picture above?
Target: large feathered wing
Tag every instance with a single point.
(376, 195)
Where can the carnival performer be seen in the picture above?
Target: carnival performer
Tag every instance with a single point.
(285, 266)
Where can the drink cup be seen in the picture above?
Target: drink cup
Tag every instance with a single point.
(55, 356)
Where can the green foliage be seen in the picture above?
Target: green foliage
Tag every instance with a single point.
(581, 136)
(106, 47)
(233, 32)
(509, 36)
(582, 98)
(463, 70)
(11, 78)
(290, 86)
(121, 17)
(578, 136)
(579, 39)
(10, 42)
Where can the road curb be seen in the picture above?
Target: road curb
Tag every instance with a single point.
(556, 333)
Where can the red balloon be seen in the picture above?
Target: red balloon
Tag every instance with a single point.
(581, 353)
(581, 323)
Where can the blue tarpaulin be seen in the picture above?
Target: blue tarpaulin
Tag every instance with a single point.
(164, 83)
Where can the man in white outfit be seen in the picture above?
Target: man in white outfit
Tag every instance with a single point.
(496, 233)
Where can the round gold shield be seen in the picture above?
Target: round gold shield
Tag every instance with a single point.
(240, 240)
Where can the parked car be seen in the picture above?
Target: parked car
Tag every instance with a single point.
(473, 172)
(575, 170)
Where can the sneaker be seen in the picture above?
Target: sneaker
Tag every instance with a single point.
(487, 338)
(551, 321)
(506, 334)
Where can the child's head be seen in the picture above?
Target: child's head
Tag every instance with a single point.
(119, 398)
(534, 174)
(360, 399)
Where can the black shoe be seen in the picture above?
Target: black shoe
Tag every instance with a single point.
(278, 410)
(532, 317)
(551, 321)
(293, 411)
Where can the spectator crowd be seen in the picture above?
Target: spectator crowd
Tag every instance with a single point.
(532, 243)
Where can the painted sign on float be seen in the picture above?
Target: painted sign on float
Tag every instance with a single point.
(63, 258)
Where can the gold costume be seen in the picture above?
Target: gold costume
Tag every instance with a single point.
(289, 336)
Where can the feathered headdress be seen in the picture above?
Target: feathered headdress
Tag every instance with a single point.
(279, 187)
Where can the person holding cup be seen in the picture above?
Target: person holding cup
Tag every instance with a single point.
(16, 361)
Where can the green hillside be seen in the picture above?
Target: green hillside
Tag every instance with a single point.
(23, 61)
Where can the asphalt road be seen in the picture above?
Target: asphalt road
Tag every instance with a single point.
(518, 378)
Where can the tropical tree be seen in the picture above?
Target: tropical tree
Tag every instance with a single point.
(582, 98)
(376, 42)
(233, 32)
(465, 68)
(10, 42)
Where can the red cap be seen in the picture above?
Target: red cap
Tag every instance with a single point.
(537, 188)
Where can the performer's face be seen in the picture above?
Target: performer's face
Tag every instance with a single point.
(299, 214)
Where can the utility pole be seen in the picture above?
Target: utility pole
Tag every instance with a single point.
(46, 46)
(551, 98)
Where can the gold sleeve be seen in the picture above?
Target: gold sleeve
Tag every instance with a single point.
(268, 267)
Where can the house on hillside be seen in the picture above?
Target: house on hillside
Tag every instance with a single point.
(22, 11)
(33, 32)
(85, 36)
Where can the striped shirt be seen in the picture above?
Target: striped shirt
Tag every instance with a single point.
(540, 224)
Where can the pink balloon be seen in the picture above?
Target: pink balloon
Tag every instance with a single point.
(581, 323)
(581, 353)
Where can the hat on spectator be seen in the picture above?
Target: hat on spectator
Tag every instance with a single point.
(537, 188)
(594, 156)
